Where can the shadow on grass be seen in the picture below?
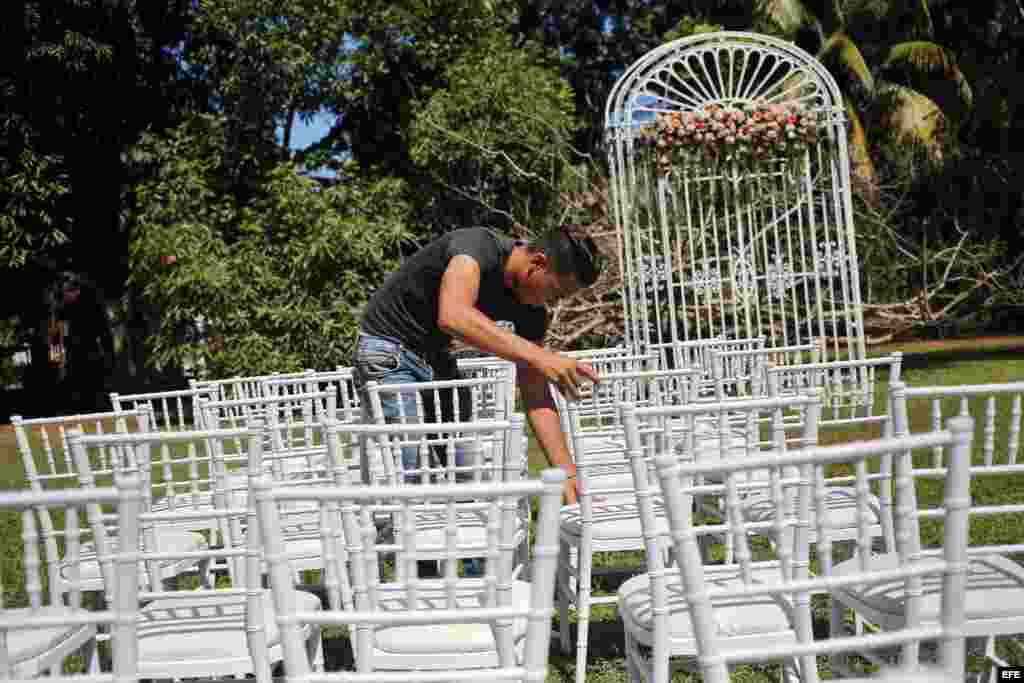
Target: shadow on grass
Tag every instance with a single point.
(605, 650)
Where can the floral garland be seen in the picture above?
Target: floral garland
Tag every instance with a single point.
(716, 133)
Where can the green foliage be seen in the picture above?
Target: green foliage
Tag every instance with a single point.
(690, 26)
(498, 134)
(276, 284)
(29, 190)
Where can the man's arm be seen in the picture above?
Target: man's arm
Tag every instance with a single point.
(458, 316)
(543, 416)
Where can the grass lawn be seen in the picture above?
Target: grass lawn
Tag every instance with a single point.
(925, 364)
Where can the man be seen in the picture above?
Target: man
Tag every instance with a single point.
(456, 287)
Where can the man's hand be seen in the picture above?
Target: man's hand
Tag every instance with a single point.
(566, 373)
(571, 491)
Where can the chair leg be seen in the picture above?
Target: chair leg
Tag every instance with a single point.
(837, 661)
(583, 588)
(315, 647)
(789, 673)
(582, 638)
(564, 597)
(90, 659)
(632, 668)
(206, 578)
(990, 659)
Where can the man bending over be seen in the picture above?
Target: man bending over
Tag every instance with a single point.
(457, 287)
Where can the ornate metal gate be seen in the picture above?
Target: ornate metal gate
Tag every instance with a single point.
(731, 196)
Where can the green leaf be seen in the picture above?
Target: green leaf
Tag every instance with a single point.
(843, 59)
(911, 118)
(862, 167)
(785, 18)
(932, 70)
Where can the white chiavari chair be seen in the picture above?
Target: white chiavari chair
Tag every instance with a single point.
(739, 373)
(37, 635)
(736, 430)
(504, 442)
(854, 395)
(50, 465)
(757, 609)
(994, 601)
(450, 628)
(849, 402)
(171, 410)
(604, 519)
(487, 397)
(604, 362)
(226, 628)
(293, 427)
(696, 353)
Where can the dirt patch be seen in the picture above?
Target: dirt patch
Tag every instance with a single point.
(954, 345)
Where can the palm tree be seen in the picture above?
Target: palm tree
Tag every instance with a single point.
(897, 83)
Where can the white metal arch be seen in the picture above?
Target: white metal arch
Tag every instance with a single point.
(744, 247)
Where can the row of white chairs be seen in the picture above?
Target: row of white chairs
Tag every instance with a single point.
(211, 630)
(718, 419)
(731, 369)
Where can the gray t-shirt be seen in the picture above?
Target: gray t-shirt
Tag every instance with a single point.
(405, 307)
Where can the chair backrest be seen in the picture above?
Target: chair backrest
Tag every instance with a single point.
(49, 464)
(456, 400)
(348, 403)
(30, 612)
(996, 467)
(612, 351)
(421, 453)
(796, 483)
(497, 368)
(373, 605)
(236, 388)
(737, 373)
(853, 393)
(293, 423)
(192, 502)
(736, 430)
(605, 363)
(189, 610)
(171, 410)
(591, 423)
(696, 353)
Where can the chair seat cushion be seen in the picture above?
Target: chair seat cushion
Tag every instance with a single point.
(187, 629)
(995, 589)
(733, 618)
(438, 639)
(24, 644)
(167, 540)
(612, 520)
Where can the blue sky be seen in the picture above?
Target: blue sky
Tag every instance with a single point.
(305, 134)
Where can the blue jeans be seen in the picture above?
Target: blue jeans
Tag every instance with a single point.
(386, 361)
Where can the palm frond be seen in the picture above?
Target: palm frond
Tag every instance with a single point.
(843, 59)
(931, 69)
(865, 179)
(907, 116)
(784, 18)
(829, 12)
